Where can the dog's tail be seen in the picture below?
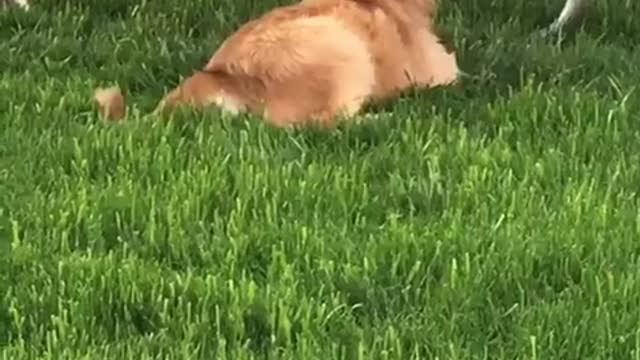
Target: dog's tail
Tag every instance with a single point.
(111, 103)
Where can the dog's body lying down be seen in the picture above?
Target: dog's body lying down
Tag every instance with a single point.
(320, 59)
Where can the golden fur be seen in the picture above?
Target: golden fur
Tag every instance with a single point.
(319, 59)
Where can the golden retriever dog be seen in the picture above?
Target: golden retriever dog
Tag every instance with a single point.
(315, 61)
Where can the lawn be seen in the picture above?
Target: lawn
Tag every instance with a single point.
(497, 219)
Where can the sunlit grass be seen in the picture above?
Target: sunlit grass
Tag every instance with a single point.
(497, 219)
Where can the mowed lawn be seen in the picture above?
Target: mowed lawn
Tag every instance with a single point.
(494, 220)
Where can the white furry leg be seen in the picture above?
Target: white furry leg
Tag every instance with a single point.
(572, 10)
(23, 4)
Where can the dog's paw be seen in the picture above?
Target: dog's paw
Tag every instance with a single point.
(110, 102)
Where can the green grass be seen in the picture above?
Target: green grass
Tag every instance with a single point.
(498, 219)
